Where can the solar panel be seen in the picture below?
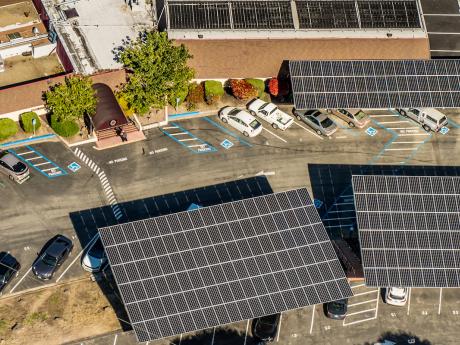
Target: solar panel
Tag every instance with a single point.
(262, 15)
(409, 230)
(199, 15)
(225, 263)
(375, 84)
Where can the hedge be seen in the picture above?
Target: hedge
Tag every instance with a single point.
(182, 95)
(258, 84)
(7, 128)
(242, 90)
(213, 91)
(26, 121)
(195, 95)
(64, 129)
(124, 105)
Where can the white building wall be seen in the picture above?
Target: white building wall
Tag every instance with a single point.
(43, 49)
(15, 50)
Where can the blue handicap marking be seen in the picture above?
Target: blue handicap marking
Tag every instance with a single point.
(74, 166)
(226, 144)
(444, 130)
(317, 203)
(371, 131)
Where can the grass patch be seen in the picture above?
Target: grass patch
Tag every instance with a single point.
(3, 326)
(54, 299)
(35, 317)
(7, 128)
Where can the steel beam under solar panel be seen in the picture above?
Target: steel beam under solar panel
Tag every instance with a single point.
(376, 84)
(221, 264)
(409, 230)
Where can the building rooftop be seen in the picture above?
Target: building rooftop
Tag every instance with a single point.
(16, 14)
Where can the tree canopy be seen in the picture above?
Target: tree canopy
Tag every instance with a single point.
(158, 71)
(71, 100)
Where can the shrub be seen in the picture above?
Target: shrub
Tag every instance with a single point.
(258, 84)
(26, 121)
(182, 95)
(195, 95)
(124, 105)
(64, 129)
(241, 89)
(213, 91)
(273, 87)
(7, 128)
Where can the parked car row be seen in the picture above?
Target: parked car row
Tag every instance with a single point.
(51, 257)
(246, 121)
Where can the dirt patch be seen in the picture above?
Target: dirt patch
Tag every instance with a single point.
(56, 315)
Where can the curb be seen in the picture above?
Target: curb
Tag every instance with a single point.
(29, 140)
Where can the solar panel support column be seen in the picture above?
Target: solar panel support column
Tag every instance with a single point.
(230, 13)
(295, 17)
(357, 13)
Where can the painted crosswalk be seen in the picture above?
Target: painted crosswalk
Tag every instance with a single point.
(116, 209)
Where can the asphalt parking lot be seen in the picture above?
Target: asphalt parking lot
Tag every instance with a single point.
(76, 203)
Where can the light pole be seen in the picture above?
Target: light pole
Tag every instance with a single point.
(34, 122)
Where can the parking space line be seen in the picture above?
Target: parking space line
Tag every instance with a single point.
(407, 142)
(359, 303)
(358, 321)
(276, 136)
(402, 127)
(357, 286)
(246, 334)
(178, 133)
(402, 149)
(279, 328)
(225, 130)
(309, 131)
(37, 165)
(20, 280)
(399, 121)
(24, 153)
(312, 318)
(115, 339)
(386, 115)
(408, 301)
(361, 311)
(33, 158)
(191, 139)
(413, 134)
(213, 335)
(440, 301)
(206, 147)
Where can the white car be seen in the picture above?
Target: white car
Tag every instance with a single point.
(396, 296)
(94, 259)
(241, 121)
(270, 113)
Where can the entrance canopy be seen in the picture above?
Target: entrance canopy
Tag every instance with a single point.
(376, 84)
(108, 112)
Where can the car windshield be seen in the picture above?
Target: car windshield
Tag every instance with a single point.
(97, 251)
(327, 122)
(254, 124)
(442, 120)
(360, 115)
(19, 167)
(49, 260)
(233, 111)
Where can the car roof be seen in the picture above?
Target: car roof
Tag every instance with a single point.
(7, 262)
(58, 246)
(245, 116)
(10, 159)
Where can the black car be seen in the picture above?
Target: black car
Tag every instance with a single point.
(52, 256)
(9, 268)
(265, 328)
(337, 309)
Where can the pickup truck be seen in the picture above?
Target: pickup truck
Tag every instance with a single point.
(430, 118)
(270, 113)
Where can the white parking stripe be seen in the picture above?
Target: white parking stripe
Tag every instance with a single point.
(246, 333)
(276, 136)
(54, 168)
(78, 256)
(359, 303)
(357, 286)
(361, 312)
(408, 301)
(36, 165)
(404, 149)
(279, 328)
(358, 321)
(364, 293)
(201, 145)
(24, 153)
(440, 301)
(20, 280)
(403, 127)
(400, 121)
(309, 131)
(407, 142)
(178, 133)
(411, 134)
(386, 115)
(312, 318)
(33, 158)
(115, 339)
(189, 139)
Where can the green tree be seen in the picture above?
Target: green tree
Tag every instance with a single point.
(158, 71)
(71, 100)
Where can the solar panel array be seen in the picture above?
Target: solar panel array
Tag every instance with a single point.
(375, 84)
(409, 230)
(224, 263)
(357, 14)
(269, 14)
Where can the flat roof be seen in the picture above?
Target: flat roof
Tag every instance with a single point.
(15, 14)
(263, 58)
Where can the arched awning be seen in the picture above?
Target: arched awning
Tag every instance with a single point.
(108, 112)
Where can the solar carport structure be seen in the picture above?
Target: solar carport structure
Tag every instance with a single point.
(409, 230)
(225, 263)
(376, 84)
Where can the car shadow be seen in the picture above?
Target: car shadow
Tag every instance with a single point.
(87, 222)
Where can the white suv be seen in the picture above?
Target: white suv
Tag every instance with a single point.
(241, 121)
(396, 296)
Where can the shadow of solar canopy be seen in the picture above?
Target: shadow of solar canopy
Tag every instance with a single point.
(409, 230)
(376, 84)
(225, 263)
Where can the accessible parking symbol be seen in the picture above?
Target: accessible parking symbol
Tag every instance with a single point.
(74, 166)
(371, 131)
(444, 130)
(226, 144)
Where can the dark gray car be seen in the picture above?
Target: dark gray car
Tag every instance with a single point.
(320, 122)
(9, 268)
(52, 256)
